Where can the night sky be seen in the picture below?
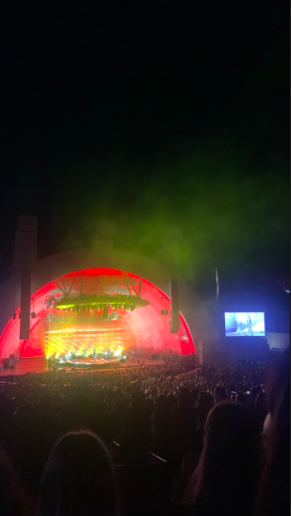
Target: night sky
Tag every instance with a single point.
(152, 116)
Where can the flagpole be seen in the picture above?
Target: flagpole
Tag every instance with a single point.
(217, 300)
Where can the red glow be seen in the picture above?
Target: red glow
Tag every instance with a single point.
(146, 328)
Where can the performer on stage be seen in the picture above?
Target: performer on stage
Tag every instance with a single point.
(249, 325)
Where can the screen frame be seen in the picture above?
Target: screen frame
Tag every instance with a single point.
(243, 311)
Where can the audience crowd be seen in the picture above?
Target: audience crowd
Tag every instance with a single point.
(148, 439)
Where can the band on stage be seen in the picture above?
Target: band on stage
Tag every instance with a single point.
(91, 355)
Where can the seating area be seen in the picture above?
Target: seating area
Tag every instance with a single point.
(164, 430)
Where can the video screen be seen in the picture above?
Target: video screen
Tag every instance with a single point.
(244, 324)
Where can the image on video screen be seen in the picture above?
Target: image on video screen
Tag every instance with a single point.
(244, 324)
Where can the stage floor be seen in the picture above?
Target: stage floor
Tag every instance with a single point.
(27, 365)
(39, 365)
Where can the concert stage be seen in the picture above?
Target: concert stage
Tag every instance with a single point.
(104, 313)
(40, 365)
(85, 363)
(26, 365)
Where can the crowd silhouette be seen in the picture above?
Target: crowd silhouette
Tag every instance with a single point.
(147, 439)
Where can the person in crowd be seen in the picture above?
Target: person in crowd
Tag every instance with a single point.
(274, 490)
(36, 409)
(261, 409)
(219, 394)
(225, 480)
(35, 441)
(203, 406)
(135, 432)
(186, 439)
(161, 426)
(184, 422)
(195, 394)
(78, 478)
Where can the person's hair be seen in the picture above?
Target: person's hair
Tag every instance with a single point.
(260, 408)
(274, 494)
(226, 477)
(277, 380)
(78, 478)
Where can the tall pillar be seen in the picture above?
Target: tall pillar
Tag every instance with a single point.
(172, 260)
(25, 258)
(175, 301)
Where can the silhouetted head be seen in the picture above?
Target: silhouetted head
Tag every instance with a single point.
(277, 380)
(78, 478)
(185, 399)
(226, 476)
(274, 490)
(219, 394)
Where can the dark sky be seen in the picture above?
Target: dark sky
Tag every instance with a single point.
(153, 116)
